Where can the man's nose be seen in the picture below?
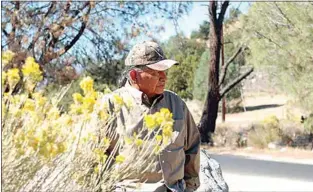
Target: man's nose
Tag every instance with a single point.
(162, 75)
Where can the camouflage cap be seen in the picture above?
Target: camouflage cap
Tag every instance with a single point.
(150, 54)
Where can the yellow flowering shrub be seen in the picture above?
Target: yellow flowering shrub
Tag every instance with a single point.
(31, 70)
(87, 85)
(13, 77)
(6, 57)
(39, 138)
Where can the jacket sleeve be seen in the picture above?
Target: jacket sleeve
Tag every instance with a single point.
(192, 153)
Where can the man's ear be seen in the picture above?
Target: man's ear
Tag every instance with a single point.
(133, 75)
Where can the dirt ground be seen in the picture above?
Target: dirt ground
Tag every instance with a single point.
(258, 107)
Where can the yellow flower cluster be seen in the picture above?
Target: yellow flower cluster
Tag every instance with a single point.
(31, 70)
(44, 141)
(120, 159)
(40, 99)
(87, 85)
(13, 77)
(100, 155)
(3, 77)
(85, 104)
(159, 126)
(164, 117)
(7, 56)
(139, 142)
(118, 100)
(161, 119)
(164, 121)
(78, 98)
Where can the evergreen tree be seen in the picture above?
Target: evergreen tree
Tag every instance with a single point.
(187, 52)
(280, 38)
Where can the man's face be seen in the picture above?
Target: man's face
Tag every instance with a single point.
(151, 82)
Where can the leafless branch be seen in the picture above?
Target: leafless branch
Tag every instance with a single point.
(272, 41)
(212, 11)
(283, 14)
(223, 11)
(78, 35)
(224, 69)
(67, 7)
(235, 82)
(5, 32)
(50, 54)
(40, 31)
(269, 39)
(52, 6)
(14, 23)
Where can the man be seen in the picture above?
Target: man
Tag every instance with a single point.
(178, 166)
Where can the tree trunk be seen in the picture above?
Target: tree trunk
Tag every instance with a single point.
(207, 122)
(208, 118)
(209, 115)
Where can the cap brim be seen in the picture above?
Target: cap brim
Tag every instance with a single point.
(163, 65)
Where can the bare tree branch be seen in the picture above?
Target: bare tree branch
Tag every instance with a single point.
(272, 41)
(40, 31)
(78, 35)
(67, 8)
(212, 11)
(283, 14)
(5, 32)
(235, 82)
(52, 6)
(14, 23)
(223, 11)
(50, 54)
(224, 69)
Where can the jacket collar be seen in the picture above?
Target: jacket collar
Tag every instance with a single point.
(140, 97)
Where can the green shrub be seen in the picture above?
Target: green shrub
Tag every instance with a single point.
(265, 132)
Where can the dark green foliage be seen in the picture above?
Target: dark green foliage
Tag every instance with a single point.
(53, 89)
(203, 32)
(230, 47)
(187, 52)
(105, 74)
(201, 78)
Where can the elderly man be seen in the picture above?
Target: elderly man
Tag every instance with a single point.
(178, 166)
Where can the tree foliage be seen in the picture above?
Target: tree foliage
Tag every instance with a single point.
(201, 77)
(280, 38)
(231, 34)
(187, 52)
(203, 32)
(93, 31)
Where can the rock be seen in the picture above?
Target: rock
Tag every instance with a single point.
(211, 178)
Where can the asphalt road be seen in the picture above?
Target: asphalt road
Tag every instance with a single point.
(255, 167)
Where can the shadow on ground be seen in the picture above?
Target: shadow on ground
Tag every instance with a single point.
(258, 107)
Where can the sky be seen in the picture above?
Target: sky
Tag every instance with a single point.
(187, 24)
(192, 21)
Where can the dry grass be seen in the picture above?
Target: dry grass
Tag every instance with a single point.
(271, 118)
